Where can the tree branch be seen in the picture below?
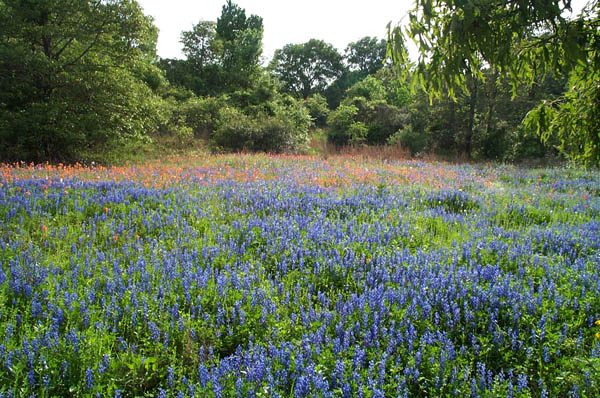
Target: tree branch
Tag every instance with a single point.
(88, 48)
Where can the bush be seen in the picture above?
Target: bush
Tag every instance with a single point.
(318, 110)
(260, 98)
(339, 122)
(384, 121)
(365, 116)
(83, 117)
(357, 132)
(407, 137)
(294, 115)
(284, 131)
(200, 114)
(378, 121)
(369, 88)
(526, 144)
(397, 90)
(235, 131)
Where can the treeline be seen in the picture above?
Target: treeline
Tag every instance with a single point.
(80, 78)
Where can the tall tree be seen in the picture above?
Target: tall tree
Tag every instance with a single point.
(366, 55)
(221, 57)
(199, 44)
(523, 40)
(73, 74)
(306, 69)
(202, 70)
(240, 38)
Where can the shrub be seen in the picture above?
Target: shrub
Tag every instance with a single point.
(385, 120)
(201, 114)
(357, 132)
(379, 119)
(339, 122)
(286, 130)
(408, 137)
(297, 119)
(235, 131)
(369, 88)
(318, 110)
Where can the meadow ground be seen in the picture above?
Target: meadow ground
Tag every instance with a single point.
(261, 276)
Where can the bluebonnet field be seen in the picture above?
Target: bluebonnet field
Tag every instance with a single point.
(257, 276)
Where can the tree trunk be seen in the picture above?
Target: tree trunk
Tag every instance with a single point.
(451, 138)
(492, 100)
(471, 115)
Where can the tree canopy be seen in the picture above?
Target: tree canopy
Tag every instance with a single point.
(306, 69)
(73, 74)
(221, 56)
(200, 45)
(522, 40)
(366, 55)
(241, 40)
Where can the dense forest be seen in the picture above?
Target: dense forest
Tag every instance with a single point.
(508, 81)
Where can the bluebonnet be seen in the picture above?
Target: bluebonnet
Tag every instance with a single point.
(31, 378)
(154, 331)
(574, 391)
(104, 364)
(203, 375)
(170, 376)
(89, 378)
(302, 387)
(521, 382)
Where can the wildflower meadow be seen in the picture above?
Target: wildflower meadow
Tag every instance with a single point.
(281, 276)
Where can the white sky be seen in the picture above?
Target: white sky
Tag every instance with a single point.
(338, 22)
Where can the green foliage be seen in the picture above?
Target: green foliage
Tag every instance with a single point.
(75, 75)
(357, 133)
(407, 137)
(366, 55)
(200, 45)
(318, 110)
(370, 88)
(397, 90)
(495, 123)
(385, 120)
(179, 73)
(363, 58)
(522, 40)
(307, 69)
(339, 123)
(200, 114)
(259, 97)
(364, 116)
(221, 57)
(202, 70)
(574, 119)
(235, 131)
(240, 38)
(285, 130)
(336, 91)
